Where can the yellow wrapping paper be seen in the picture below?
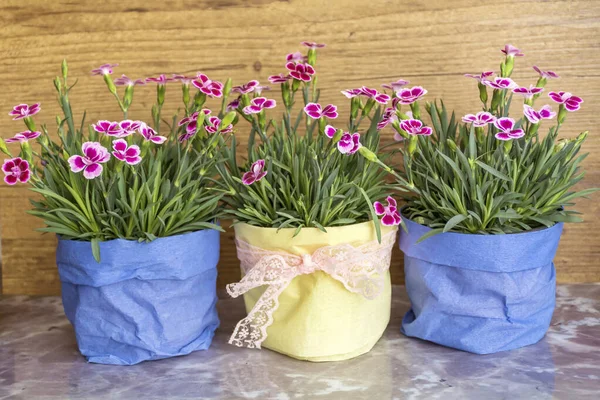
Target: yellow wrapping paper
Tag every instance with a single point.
(318, 319)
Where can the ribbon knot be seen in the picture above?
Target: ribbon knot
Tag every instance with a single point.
(360, 269)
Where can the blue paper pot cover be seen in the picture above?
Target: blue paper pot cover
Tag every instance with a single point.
(479, 293)
(143, 301)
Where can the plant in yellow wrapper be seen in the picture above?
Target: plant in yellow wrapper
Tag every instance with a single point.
(314, 255)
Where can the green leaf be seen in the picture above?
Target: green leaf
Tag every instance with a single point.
(493, 171)
(452, 222)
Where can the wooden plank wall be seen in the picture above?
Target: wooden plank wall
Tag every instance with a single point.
(431, 43)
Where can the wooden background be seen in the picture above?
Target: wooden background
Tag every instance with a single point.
(431, 43)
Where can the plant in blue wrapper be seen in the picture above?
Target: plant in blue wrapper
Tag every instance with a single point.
(115, 192)
(470, 182)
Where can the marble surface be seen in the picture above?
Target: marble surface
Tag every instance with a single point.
(39, 360)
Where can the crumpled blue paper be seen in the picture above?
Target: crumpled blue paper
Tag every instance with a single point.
(143, 301)
(479, 293)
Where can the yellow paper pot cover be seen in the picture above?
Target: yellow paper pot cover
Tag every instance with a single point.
(318, 319)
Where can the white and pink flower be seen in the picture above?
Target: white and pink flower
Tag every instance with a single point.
(315, 111)
(23, 111)
(23, 137)
(128, 127)
(409, 96)
(330, 131)
(395, 86)
(123, 152)
(214, 124)
(529, 92)
(480, 119)
(104, 69)
(150, 134)
(546, 74)
(300, 71)
(415, 127)
(512, 51)
(109, 128)
(207, 86)
(481, 77)
(381, 98)
(507, 131)
(125, 81)
(16, 170)
(246, 88)
(536, 116)
(500, 83)
(313, 45)
(94, 155)
(350, 93)
(572, 103)
(281, 78)
(162, 79)
(390, 213)
(349, 143)
(255, 174)
(258, 104)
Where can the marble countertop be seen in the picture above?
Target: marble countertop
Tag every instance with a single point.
(39, 360)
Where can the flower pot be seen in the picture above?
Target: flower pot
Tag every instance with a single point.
(143, 301)
(315, 316)
(479, 293)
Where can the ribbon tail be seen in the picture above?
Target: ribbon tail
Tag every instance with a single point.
(251, 331)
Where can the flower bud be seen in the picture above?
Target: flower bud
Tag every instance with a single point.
(560, 145)
(227, 87)
(510, 63)
(414, 107)
(128, 97)
(160, 94)
(285, 94)
(186, 94)
(58, 121)
(482, 92)
(295, 85)
(427, 107)
(368, 154)
(451, 144)
(199, 99)
(227, 119)
(368, 107)
(562, 114)
(110, 84)
(412, 144)
(3, 148)
(496, 97)
(582, 136)
(29, 123)
(338, 136)
(533, 130)
(479, 134)
(312, 56)
(57, 83)
(64, 69)
(354, 107)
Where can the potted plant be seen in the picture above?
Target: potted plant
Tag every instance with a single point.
(313, 255)
(136, 216)
(490, 194)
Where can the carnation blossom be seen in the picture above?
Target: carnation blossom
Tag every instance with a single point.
(546, 74)
(279, 78)
(125, 81)
(512, 51)
(150, 134)
(255, 174)
(123, 152)
(381, 98)
(313, 45)
(246, 88)
(207, 86)
(349, 143)
(23, 111)
(481, 77)
(162, 79)
(109, 128)
(23, 137)
(572, 103)
(415, 127)
(214, 124)
(528, 92)
(258, 104)
(94, 155)
(409, 96)
(480, 119)
(395, 86)
(300, 71)
(506, 128)
(390, 212)
(315, 111)
(536, 116)
(104, 69)
(16, 170)
(500, 83)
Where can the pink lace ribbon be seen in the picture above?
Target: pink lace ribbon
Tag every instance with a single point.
(360, 269)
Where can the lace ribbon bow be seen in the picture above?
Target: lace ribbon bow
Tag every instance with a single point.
(360, 269)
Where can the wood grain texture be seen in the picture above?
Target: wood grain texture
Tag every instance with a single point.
(431, 43)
